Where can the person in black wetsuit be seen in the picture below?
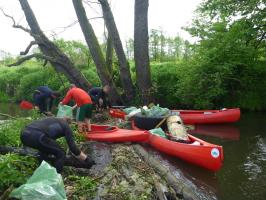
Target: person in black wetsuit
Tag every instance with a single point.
(42, 135)
(43, 98)
(99, 96)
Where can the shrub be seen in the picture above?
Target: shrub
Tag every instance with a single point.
(15, 170)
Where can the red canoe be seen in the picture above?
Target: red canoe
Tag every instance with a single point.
(206, 155)
(105, 133)
(209, 116)
(197, 116)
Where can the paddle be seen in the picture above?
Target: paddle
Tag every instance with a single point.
(162, 121)
(26, 105)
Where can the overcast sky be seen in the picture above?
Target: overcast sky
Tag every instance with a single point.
(170, 15)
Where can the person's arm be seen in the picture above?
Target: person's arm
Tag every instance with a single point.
(51, 100)
(70, 139)
(67, 98)
(74, 107)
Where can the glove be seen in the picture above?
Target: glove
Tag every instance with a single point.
(89, 162)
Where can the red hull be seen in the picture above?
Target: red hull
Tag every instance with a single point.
(206, 155)
(197, 116)
(209, 116)
(104, 134)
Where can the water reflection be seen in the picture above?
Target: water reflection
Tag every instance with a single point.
(223, 131)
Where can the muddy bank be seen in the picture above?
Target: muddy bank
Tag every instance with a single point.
(122, 173)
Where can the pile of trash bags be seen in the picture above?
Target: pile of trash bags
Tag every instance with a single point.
(153, 111)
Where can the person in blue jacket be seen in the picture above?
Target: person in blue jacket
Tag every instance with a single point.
(43, 98)
(100, 96)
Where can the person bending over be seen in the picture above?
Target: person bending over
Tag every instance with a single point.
(43, 98)
(99, 96)
(83, 102)
(42, 135)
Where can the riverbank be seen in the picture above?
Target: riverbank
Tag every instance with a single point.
(120, 172)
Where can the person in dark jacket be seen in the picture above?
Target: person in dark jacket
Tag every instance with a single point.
(43, 98)
(100, 96)
(42, 135)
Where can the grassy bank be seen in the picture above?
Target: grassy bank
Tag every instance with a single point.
(176, 84)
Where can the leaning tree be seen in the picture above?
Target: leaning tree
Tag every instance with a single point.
(49, 51)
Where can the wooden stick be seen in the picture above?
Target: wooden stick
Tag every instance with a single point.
(162, 121)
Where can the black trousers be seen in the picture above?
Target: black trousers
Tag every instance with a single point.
(47, 146)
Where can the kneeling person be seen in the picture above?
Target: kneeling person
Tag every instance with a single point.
(42, 135)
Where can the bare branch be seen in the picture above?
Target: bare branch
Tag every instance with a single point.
(87, 2)
(64, 28)
(23, 28)
(14, 22)
(28, 48)
(35, 55)
(8, 16)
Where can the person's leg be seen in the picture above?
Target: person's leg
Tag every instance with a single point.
(31, 138)
(88, 115)
(42, 106)
(83, 118)
(79, 119)
(88, 124)
(49, 146)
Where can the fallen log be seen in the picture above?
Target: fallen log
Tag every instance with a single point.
(69, 161)
(182, 191)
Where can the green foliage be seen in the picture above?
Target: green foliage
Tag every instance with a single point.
(76, 51)
(10, 132)
(83, 186)
(15, 170)
(226, 66)
(165, 77)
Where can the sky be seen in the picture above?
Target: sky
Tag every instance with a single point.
(169, 15)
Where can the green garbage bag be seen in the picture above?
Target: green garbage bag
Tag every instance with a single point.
(45, 183)
(64, 111)
(155, 111)
(129, 110)
(158, 131)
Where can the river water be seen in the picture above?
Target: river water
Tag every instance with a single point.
(243, 175)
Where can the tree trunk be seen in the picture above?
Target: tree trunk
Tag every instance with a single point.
(95, 49)
(141, 50)
(60, 62)
(124, 67)
(109, 54)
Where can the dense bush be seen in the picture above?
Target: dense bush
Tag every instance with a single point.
(15, 170)
(18, 83)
